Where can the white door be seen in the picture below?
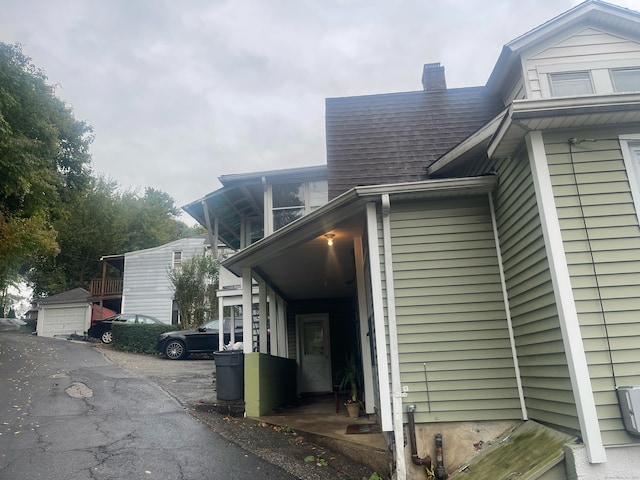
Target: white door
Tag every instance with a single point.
(314, 353)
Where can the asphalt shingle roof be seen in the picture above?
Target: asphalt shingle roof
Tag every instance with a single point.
(393, 138)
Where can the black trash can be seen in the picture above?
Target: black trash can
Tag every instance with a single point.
(229, 374)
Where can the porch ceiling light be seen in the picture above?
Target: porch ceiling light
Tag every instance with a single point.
(329, 237)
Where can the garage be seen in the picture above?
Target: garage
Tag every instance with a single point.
(64, 314)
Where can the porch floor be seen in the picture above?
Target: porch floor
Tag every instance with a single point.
(315, 418)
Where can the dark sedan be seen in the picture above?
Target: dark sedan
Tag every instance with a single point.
(102, 328)
(180, 343)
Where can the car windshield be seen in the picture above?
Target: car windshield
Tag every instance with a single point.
(212, 325)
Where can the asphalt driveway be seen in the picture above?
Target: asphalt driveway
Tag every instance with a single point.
(192, 383)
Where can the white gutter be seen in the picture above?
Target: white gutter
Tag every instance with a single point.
(507, 310)
(396, 393)
(378, 318)
(569, 324)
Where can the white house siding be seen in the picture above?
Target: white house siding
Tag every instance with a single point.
(602, 242)
(146, 285)
(588, 49)
(540, 349)
(450, 312)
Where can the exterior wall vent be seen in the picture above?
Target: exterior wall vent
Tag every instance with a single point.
(629, 398)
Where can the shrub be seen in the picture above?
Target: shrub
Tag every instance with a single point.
(138, 338)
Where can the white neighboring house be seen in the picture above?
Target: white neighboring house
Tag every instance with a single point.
(147, 288)
(64, 314)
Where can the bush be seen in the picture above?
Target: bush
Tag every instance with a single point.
(138, 338)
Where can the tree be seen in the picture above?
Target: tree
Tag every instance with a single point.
(44, 157)
(195, 284)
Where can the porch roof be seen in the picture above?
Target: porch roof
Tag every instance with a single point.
(297, 262)
(240, 198)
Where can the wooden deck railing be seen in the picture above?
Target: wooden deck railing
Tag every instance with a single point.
(112, 286)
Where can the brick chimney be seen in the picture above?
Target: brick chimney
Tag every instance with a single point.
(433, 77)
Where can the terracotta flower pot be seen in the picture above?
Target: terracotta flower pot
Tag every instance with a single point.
(353, 409)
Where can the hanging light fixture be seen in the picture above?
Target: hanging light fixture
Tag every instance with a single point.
(329, 237)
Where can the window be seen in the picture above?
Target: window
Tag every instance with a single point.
(626, 80)
(290, 201)
(177, 259)
(571, 83)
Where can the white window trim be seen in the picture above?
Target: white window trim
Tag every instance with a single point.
(175, 264)
(629, 143)
(269, 201)
(600, 71)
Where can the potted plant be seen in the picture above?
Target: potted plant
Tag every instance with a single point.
(350, 378)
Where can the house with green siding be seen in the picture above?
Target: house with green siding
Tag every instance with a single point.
(477, 249)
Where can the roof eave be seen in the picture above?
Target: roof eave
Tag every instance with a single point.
(322, 219)
(526, 115)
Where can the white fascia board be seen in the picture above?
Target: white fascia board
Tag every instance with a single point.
(568, 315)
(478, 139)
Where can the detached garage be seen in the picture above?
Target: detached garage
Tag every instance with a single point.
(64, 314)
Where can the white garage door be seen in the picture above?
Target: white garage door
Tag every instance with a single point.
(65, 320)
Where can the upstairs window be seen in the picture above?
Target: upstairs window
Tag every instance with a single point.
(290, 201)
(177, 259)
(570, 84)
(626, 80)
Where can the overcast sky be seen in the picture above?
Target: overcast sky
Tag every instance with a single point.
(181, 92)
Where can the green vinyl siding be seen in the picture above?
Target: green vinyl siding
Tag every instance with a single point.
(543, 364)
(602, 243)
(453, 339)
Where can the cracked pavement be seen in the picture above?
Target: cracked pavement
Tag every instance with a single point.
(67, 413)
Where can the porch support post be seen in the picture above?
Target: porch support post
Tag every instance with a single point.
(378, 320)
(273, 324)
(369, 403)
(568, 315)
(221, 301)
(247, 307)
(262, 299)
(282, 328)
(213, 235)
(394, 358)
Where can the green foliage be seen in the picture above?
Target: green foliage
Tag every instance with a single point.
(56, 219)
(350, 377)
(318, 460)
(102, 220)
(139, 338)
(44, 154)
(195, 284)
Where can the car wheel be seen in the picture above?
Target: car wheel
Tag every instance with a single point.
(107, 336)
(174, 350)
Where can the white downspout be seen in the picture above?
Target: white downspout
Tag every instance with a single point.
(569, 323)
(507, 309)
(396, 393)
